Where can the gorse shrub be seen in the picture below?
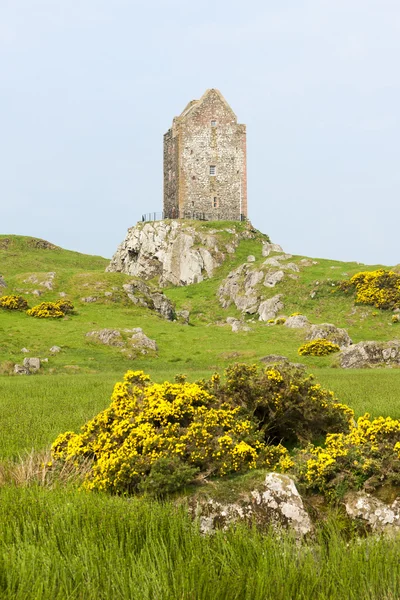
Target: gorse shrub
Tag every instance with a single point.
(369, 454)
(376, 288)
(319, 347)
(54, 310)
(156, 437)
(13, 302)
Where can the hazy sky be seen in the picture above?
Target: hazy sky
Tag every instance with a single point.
(89, 87)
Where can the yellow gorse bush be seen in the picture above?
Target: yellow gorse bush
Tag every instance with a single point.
(319, 347)
(147, 421)
(213, 427)
(369, 452)
(13, 302)
(54, 310)
(379, 288)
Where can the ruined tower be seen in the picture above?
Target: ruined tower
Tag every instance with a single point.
(205, 173)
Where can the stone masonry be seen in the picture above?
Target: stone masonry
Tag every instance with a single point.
(205, 172)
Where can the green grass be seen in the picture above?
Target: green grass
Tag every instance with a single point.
(65, 544)
(76, 383)
(61, 543)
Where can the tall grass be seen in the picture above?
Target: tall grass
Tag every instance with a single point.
(66, 544)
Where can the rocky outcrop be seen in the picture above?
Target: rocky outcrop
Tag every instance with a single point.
(240, 288)
(144, 295)
(330, 332)
(370, 354)
(268, 309)
(2, 283)
(297, 322)
(29, 366)
(379, 517)
(271, 279)
(267, 248)
(174, 251)
(32, 364)
(245, 286)
(237, 325)
(21, 370)
(276, 503)
(45, 280)
(126, 339)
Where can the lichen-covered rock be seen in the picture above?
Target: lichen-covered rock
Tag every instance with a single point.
(32, 364)
(89, 299)
(2, 282)
(297, 322)
(271, 279)
(45, 280)
(21, 370)
(55, 349)
(141, 342)
(272, 262)
(327, 331)
(267, 248)
(380, 517)
(174, 251)
(276, 503)
(108, 337)
(144, 295)
(268, 309)
(126, 339)
(183, 316)
(237, 325)
(370, 354)
(240, 288)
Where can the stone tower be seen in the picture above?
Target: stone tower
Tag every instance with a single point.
(205, 174)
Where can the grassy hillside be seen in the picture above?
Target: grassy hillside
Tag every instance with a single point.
(76, 383)
(58, 542)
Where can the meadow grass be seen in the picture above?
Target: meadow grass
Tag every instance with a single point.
(66, 544)
(34, 410)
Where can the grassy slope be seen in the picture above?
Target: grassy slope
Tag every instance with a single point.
(57, 401)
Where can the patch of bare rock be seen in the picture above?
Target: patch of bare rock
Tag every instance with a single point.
(2, 283)
(370, 354)
(173, 251)
(127, 339)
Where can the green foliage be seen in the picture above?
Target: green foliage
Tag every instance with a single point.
(166, 476)
(13, 302)
(379, 288)
(319, 347)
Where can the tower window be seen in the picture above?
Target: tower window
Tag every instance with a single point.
(215, 202)
(213, 170)
(213, 123)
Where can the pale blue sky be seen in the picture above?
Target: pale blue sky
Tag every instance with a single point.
(88, 88)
